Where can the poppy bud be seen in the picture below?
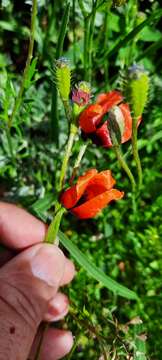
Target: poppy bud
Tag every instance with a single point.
(63, 77)
(136, 89)
(116, 125)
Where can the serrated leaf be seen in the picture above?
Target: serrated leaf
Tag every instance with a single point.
(31, 72)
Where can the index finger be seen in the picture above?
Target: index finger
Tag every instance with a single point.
(18, 228)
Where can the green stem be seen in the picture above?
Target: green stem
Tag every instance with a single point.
(124, 166)
(74, 34)
(73, 132)
(106, 33)
(135, 151)
(53, 229)
(78, 160)
(19, 98)
(90, 41)
(9, 140)
(68, 110)
(106, 65)
(86, 48)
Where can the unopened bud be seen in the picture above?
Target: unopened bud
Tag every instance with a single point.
(63, 77)
(136, 89)
(116, 125)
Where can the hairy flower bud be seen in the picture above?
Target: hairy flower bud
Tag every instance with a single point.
(116, 125)
(136, 89)
(63, 77)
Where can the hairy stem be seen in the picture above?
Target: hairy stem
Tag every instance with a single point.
(124, 166)
(73, 132)
(78, 160)
(135, 151)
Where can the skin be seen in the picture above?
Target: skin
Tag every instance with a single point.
(31, 274)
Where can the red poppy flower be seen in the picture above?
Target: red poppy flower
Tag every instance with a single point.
(92, 192)
(91, 119)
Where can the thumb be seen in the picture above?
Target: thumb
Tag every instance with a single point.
(27, 284)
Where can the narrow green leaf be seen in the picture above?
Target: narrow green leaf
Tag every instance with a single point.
(95, 272)
(156, 15)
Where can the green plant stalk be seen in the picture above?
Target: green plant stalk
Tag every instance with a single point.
(78, 160)
(124, 166)
(106, 30)
(135, 151)
(59, 51)
(82, 8)
(90, 40)
(86, 48)
(74, 34)
(68, 110)
(81, 154)
(73, 132)
(106, 64)
(9, 140)
(51, 237)
(19, 98)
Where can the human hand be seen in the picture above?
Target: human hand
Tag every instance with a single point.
(29, 284)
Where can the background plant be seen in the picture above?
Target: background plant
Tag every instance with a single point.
(127, 249)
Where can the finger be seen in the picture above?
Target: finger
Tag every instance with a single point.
(69, 272)
(18, 228)
(5, 255)
(57, 308)
(56, 344)
(27, 283)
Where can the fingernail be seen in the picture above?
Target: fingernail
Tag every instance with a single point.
(58, 305)
(48, 264)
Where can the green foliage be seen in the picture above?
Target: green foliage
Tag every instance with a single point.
(124, 246)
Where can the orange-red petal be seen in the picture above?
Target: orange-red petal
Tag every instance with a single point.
(100, 183)
(127, 122)
(103, 136)
(108, 100)
(71, 196)
(92, 207)
(90, 118)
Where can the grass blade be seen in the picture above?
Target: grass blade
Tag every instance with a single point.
(95, 272)
(156, 15)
